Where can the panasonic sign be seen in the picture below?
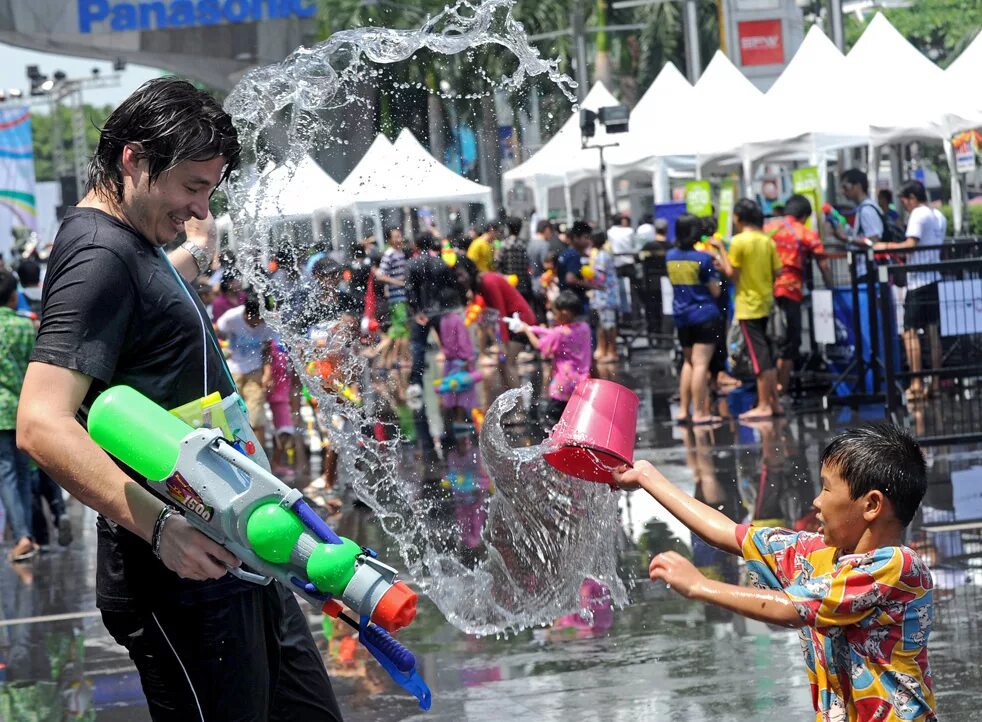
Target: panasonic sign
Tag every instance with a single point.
(96, 16)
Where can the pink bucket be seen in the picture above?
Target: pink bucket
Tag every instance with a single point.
(596, 433)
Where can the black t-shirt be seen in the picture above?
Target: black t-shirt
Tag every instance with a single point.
(116, 310)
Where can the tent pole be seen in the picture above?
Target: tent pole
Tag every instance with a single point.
(748, 176)
(873, 167)
(956, 187)
(568, 197)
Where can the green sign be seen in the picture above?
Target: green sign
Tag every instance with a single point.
(806, 182)
(699, 198)
(727, 198)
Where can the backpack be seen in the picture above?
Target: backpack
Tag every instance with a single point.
(892, 233)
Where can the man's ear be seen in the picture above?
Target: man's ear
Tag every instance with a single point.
(875, 504)
(131, 161)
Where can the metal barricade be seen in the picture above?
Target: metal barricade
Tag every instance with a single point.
(934, 310)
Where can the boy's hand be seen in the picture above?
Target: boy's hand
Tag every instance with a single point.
(629, 479)
(676, 571)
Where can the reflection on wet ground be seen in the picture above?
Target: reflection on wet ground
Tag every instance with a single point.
(660, 658)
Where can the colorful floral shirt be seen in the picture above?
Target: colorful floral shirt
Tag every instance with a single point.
(16, 345)
(867, 621)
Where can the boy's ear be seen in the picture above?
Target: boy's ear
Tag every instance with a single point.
(874, 506)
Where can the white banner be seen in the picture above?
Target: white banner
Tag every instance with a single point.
(823, 316)
(960, 304)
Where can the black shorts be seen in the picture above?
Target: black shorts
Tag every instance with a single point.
(705, 333)
(758, 347)
(246, 656)
(921, 307)
(791, 345)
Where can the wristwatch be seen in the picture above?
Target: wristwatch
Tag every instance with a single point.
(199, 254)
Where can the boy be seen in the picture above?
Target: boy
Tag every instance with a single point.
(861, 600)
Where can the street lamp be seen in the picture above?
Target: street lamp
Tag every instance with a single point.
(614, 119)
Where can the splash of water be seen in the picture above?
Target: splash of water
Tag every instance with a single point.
(540, 539)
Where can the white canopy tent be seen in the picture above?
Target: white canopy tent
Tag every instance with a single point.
(660, 115)
(791, 125)
(405, 174)
(906, 96)
(563, 161)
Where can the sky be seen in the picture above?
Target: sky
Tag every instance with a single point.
(13, 73)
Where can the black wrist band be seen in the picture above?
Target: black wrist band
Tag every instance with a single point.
(158, 529)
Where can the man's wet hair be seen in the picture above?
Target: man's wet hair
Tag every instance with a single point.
(170, 121)
(568, 301)
(884, 458)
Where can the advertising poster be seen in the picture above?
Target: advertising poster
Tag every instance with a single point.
(699, 198)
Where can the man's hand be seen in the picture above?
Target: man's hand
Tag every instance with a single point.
(676, 571)
(190, 554)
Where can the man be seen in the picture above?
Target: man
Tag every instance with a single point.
(512, 259)
(540, 245)
(426, 276)
(796, 245)
(481, 249)
(569, 265)
(752, 264)
(206, 645)
(249, 358)
(392, 275)
(654, 234)
(622, 245)
(16, 477)
(29, 275)
(868, 222)
(921, 304)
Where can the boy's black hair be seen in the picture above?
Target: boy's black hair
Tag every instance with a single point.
(579, 228)
(568, 301)
(389, 231)
(914, 189)
(747, 211)
(598, 238)
(543, 225)
(884, 458)
(8, 286)
(170, 121)
(252, 303)
(514, 226)
(798, 207)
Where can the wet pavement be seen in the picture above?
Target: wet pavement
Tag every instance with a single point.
(662, 657)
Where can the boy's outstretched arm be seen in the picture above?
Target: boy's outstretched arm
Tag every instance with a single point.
(713, 526)
(765, 605)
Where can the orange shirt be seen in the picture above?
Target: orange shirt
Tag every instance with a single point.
(794, 243)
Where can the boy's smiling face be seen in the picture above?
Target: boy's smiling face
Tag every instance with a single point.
(843, 518)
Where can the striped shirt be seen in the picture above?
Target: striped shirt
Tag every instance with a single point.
(393, 265)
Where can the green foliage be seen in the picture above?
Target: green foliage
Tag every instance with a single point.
(940, 29)
(973, 219)
(44, 142)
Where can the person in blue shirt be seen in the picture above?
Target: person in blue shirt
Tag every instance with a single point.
(696, 287)
(571, 261)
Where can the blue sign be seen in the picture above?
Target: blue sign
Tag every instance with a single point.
(164, 14)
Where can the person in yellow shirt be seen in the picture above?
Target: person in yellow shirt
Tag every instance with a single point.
(751, 264)
(481, 249)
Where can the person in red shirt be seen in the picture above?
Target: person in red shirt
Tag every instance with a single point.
(503, 298)
(795, 244)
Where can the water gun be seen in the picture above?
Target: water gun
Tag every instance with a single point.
(512, 280)
(448, 254)
(457, 381)
(474, 310)
(267, 525)
(325, 369)
(834, 217)
(547, 278)
(477, 416)
(587, 273)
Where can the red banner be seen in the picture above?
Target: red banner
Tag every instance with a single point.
(761, 42)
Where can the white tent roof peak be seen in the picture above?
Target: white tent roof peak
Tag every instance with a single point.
(298, 191)
(669, 83)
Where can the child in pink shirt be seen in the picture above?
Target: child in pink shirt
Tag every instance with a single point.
(458, 355)
(569, 345)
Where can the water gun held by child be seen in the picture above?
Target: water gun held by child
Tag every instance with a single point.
(457, 381)
(264, 523)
